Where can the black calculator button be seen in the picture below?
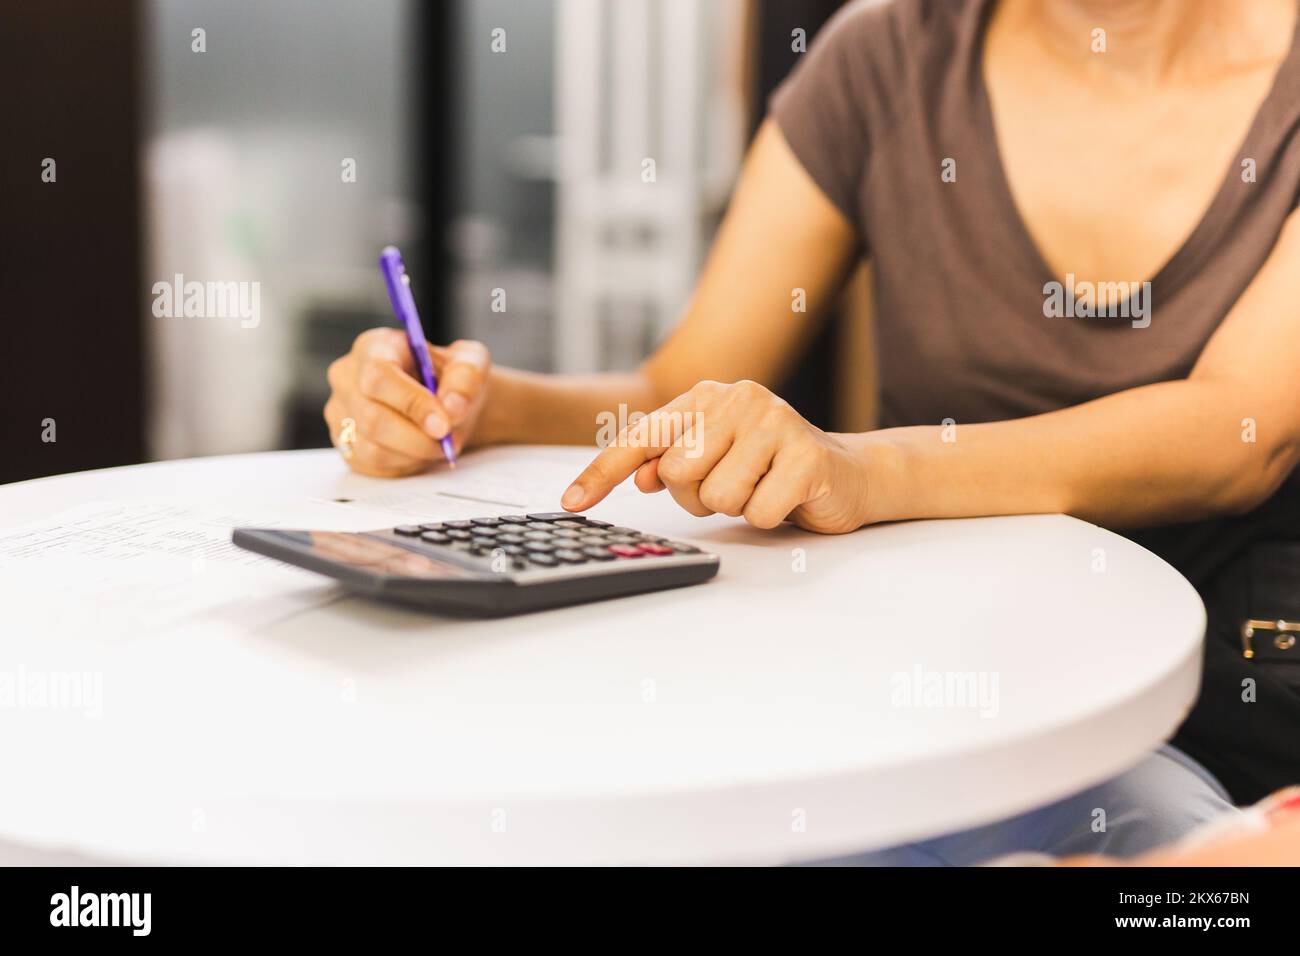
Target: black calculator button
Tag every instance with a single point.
(564, 533)
(514, 519)
(592, 522)
(539, 547)
(431, 526)
(485, 522)
(572, 523)
(622, 539)
(456, 534)
(569, 556)
(592, 541)
(632, 532)
(407, 530)
(682, 548)
(540, 526)
(544, 560)
(550, 516)
(598, 554)
(461, 525)
(510, 539)
(434, 537)
(485, 531)
(537, 536)
(513, 550)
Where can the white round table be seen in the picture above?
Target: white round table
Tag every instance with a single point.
(821, 696)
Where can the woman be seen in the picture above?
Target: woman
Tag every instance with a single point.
(1079, 218)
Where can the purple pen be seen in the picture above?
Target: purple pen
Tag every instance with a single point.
(399, 293)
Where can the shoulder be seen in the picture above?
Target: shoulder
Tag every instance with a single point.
(874, 65)
(882, 45)
(899, 29)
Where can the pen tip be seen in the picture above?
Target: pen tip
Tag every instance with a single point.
(452, 464)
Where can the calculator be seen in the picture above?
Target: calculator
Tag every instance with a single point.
(493, 566)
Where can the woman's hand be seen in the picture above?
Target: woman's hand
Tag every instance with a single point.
(398, 423)
(736, 450)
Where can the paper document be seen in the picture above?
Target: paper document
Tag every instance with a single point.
(476, 488)
(121, 569)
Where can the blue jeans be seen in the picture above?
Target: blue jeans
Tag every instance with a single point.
(1164, 797)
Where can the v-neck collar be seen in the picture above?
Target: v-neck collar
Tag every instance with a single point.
(1207, 228)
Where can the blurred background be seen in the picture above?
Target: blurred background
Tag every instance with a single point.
(553, 171)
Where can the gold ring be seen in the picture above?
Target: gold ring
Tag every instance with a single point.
(347, 438)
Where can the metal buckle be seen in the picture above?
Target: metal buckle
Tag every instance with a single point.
(1284, 635)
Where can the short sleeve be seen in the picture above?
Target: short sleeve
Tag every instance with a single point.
(821, 111)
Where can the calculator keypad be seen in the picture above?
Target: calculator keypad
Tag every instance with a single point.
(544, 540)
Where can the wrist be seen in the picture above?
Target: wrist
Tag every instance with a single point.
(494, 424)
(881, 465)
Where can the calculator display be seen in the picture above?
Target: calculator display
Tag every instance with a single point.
(376, 556)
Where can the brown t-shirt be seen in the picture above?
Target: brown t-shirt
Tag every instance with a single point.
(891, 90)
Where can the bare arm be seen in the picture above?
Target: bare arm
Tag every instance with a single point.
(1219, 442)
(780, 234)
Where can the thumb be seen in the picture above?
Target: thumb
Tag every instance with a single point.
(462, 373)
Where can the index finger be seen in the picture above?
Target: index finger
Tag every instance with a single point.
(386, 343)
(386, 382)
(635, 445)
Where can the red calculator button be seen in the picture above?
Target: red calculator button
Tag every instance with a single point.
(625, 550)
(649, 547)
